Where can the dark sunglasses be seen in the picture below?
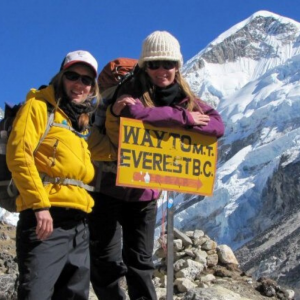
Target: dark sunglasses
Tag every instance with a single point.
(165, 64)
(85, 79)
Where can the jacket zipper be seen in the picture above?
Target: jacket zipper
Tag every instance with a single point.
(54, 153)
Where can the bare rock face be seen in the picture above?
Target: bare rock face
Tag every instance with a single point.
(8, 266)
(275, 252)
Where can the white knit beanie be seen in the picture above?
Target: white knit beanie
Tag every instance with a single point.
(160, 45)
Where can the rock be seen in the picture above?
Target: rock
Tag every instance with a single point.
(177, 245)
(226, 255)
(207, 278)
(4, 236)
(201, 256)
(213, 293)
(8, 283)
(289, 294)
(191, 270)
(179, 264)
(198, 234)
(209, 245)
(184, 284)
(185, 239)
(212, 260)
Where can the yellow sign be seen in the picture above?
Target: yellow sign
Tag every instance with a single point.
(166, 158)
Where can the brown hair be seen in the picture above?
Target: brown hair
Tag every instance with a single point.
(57, 82)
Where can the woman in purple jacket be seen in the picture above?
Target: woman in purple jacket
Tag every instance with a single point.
(122, 223)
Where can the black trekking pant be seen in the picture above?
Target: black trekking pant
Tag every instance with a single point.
(121, 243)
(58, 267)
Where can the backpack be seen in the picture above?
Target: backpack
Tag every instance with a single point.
(8, 191)
(114, 74)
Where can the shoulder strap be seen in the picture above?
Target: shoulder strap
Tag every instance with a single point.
(64, 126)
(124, 79)
(50, 114)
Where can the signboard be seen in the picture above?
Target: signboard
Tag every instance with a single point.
(166, 158)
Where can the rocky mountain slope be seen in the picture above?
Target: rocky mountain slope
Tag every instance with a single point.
(276, 251)
(203, 270)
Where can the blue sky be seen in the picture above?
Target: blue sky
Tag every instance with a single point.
(37, 34)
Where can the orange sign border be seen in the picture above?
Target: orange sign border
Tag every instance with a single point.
(138, 177)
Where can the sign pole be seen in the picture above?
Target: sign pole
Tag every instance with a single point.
(170, 246)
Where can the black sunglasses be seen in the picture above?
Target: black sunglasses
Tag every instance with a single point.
(165, 64)
(73, 76)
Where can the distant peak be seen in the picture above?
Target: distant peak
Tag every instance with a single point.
(268, 14)
(264, 13)
(242, 24)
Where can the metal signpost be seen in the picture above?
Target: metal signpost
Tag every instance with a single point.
(170, 246)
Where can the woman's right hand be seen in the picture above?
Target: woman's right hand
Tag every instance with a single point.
(121, 102)
(199, 118)
(44, 225)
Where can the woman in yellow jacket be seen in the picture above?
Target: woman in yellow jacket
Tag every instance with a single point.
(52, 177)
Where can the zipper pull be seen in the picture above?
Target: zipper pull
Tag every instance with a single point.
(54, 153)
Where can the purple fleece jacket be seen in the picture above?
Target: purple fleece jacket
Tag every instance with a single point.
(164, 116)
(175, 116)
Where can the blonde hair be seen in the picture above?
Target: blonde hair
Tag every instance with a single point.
(148, 90)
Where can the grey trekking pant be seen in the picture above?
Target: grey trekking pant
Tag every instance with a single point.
(59, 267)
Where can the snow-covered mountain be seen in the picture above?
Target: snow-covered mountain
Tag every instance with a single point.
(251, 73)
(242, 54)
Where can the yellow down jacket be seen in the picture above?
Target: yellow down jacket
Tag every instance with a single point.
(62, 154)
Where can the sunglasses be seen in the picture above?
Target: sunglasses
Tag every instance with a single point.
(85, 79)
(165, 64)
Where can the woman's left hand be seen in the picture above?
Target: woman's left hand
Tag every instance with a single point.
(199, 118)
